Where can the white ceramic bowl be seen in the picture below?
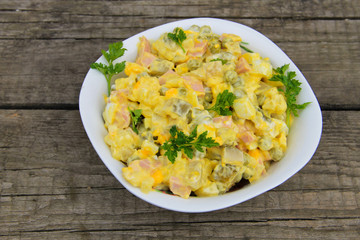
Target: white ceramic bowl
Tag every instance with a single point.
(303, 139)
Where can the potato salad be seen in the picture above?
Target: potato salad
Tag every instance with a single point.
(196, 114)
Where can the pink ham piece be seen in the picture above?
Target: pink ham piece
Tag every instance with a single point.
(223, 122)
(247, 137)
(145, 59)
(242, 66)
(145, 164)
(122, 115)
(144, 46)
(178, 187)
(169, 74)
(245, 134)
(195, 84)
(144, 56)
(198, 50)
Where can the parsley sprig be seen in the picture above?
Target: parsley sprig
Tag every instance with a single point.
(179, 141)
(291, 90)
(223, 61)
(178, 36)
(224, 101)
(136, 117)
(116, 50)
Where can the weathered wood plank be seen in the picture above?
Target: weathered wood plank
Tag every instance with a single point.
(53, 185)
(69, 10)
(50, 72)
(121, 229)
(121, 27)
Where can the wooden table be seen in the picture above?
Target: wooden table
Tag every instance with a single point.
(54, 186)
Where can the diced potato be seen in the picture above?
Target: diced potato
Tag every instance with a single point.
(208, 190)
(233, 156)
(244, 109)
(274, 101)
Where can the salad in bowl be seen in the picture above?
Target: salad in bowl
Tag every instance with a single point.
(211, 114)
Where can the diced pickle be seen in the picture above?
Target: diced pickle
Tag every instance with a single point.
(140, 75)
(160, 66)
(182, 91)
(225, 41)
(193, 64)
(239, 92)
(215, 46)
(276, 153)
(205, 30)
(195, 28)
(231, 76)
(265, 143)
(180, 107)
(163, 91)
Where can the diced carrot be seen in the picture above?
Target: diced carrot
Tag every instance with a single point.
(171, 92)
(157, 176)
(146, 151)
(137, 85)
(256, 153)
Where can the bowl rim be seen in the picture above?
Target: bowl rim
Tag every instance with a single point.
(202, 204)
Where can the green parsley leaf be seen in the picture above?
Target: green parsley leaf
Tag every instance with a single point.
(291, 90)
(136, 117)
(100, 67)
(178, 36)
(219, 59)
(245, 48)
(179, 141)
(224, 101)
(116, 50)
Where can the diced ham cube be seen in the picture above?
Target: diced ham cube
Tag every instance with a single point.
(178, 187)
(145, 164)
(242, 66)
(145, 59)
(122, 113)
(247, 137)
(195, 84)
(123, 116)
(166, 76)
(144, 46)
(223, 122)
(144, 56)
(245, 133)
(198, 50)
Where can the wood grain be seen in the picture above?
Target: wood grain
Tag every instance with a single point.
(54, 185)
(185, 8)
(49, 72)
